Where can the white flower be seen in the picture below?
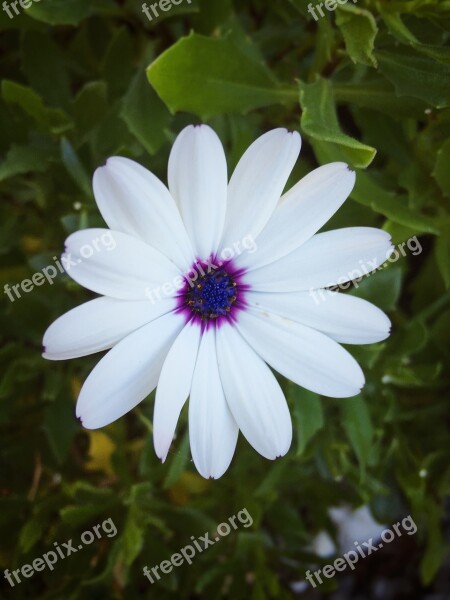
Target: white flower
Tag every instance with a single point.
(213, 340)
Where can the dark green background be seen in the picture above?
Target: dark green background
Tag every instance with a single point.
(369, 84)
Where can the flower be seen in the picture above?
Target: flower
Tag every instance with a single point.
(212, 335)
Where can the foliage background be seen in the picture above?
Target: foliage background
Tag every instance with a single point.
(368, 83)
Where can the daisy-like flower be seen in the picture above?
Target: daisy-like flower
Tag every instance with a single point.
(178, 314)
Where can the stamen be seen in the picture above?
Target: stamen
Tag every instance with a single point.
(213, 295)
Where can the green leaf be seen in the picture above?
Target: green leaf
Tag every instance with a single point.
(75, 168)
(308, 415)
(178, 463)
(145, 114)
(31, 532)
(358, 425)
(208, 76)
(22, 159)
(325, 45)
(60, 12)
(60, 426)
(439, 53)
(441, 169)
(367, 191)
(118, 67)
(396, 26)
(359, 29)
(50, 119)
(382, 288)
(443, 256)
(90, 107)
(435, 548)
(379, 95)
(44, 66)
(416, 75)
(80, 514)
(319, 121)
(133, 536)
(401, 32)
(409, 340)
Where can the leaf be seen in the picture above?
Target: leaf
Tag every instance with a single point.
(435, 548)
(271, 481)
(367, 191)
(60, 426)
(319, 121)
(409, 340)
(60, 12)
(416, 75)
(81, 514)
(90, 107)
(439, 53)
(441, 169)
(325, 45)
(398, 28)
(443, 256)
(51, 119)
(44, 66)
(308, 415)
(395, 24)
(22, 159)
(145, 114)
(31, 532)
(118, 67)
(359, 29)
(133, 536)
(419, 376)
(358, 425)
(178, 463)
(378, 94)
(75, 168)
(382, 288)
(208, 76)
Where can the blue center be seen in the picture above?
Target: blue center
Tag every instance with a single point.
(212, 295)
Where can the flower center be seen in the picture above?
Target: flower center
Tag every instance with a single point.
(212, 295)
(212, 292)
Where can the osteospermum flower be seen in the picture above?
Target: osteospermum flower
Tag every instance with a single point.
(186, 309)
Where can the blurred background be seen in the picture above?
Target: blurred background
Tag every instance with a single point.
(366, 82)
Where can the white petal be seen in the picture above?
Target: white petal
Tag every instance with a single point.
(174, 386)
(128, 373)
(213, 432)
(344, 318)
(98, 325)
(303, 355)
(128, 269)
(198, 182)
(327, 259)
(253, 394)
(132, 200)
(301, 212)
(257, 184)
